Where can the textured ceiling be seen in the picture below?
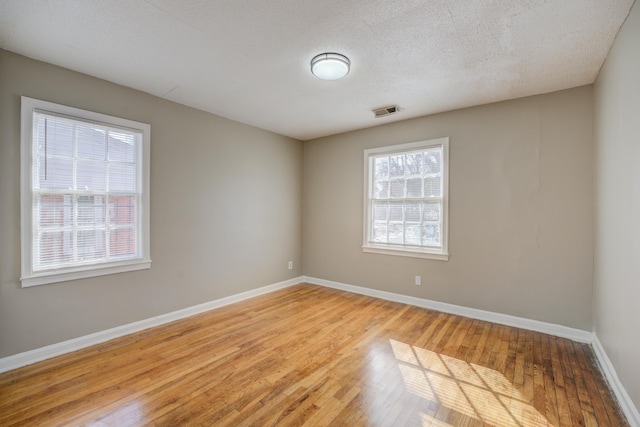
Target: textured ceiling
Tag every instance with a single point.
(249, 60)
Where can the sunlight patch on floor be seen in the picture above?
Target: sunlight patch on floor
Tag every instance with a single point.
(430, 421)
(471, 390)
(129, 414)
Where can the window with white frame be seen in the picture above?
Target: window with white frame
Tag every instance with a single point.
(84, 193)
(406, 199)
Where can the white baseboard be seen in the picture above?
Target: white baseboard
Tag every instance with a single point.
(629, 409)
(32, 356)
(503, 319)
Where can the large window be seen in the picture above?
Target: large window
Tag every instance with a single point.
(406, 199)
(85, 193)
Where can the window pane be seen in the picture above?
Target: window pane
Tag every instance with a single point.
(122, 210)
(380, 211)
(38, 137)
(381, 168)
(55, 173)
(91, 143)
(412, 235)
(123, 242)
(91, 210)
(380, 233)
(396, 166)
(432, 187)
(432, 160)
(381, 190)
(55, 247)
(414, 164)
(54, 211)
(397, 188)
(59, 137)
(90, 175)
(395, 212)
(431, 234)
(122, 147)
(431, 211)
(414, 187)
(396, 233)
(91, 244)
(122, 178)
(412, 212)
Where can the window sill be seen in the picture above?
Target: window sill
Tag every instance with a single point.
(406, 253)
(73, 274)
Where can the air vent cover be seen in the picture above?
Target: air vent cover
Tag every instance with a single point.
(385, 111)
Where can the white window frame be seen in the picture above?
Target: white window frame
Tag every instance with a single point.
(29, 277)
(368, 245)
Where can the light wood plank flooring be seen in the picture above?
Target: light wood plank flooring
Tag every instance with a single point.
(313, 356)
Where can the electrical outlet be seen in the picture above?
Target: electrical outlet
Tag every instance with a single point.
(418, 280)
(290, 265)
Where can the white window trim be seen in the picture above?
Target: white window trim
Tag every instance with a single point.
(28, 276)
(406, 250)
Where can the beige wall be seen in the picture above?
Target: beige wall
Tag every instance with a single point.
(521, 209)
(225, 211)
(617, 255)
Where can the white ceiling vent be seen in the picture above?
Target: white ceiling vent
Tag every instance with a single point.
(385, 111)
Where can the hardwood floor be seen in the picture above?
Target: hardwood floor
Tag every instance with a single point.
(311, 356)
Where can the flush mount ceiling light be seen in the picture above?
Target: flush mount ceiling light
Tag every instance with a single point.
(330, 66)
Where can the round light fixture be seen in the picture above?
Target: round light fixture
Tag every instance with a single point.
(330, 66)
